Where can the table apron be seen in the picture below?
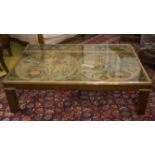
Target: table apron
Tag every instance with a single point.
(99, 87)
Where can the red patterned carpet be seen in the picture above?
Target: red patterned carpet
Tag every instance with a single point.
(78, 105)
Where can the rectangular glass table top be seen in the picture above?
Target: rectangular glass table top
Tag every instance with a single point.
(79, 62)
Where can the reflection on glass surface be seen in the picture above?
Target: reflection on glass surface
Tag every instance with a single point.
(109, 63)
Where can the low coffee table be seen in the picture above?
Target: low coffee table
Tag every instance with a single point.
(100, 67)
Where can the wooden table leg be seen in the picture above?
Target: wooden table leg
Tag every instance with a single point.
(12, 99)
(142, 100)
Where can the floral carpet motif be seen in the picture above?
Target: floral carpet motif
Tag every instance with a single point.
(78, 105)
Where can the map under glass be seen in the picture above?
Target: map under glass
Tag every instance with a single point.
(109, 63)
